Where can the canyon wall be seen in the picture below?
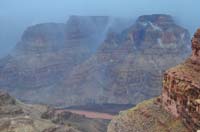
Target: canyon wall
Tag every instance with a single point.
(178, 107)
(104, 60)
(181, 88)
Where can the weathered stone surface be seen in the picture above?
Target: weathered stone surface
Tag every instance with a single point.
(147, 116)
(177, 109)
(196, 48)
(181, 88)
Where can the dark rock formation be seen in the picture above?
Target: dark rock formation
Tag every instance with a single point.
(181, 88)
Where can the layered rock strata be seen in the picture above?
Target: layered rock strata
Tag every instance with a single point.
(95, 57)
(181, 88)
(177, 109)
(147, 116)
(128, 66)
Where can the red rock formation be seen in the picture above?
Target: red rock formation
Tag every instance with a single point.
(196, 48)
(181, 88)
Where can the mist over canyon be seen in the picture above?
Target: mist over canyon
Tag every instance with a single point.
(97, 66)
(16, 16)
(94, 60)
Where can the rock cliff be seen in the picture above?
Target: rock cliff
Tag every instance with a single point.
(128, 66)
(102, 59)
(147, 116)
(181, 88)
(177, 109)
(47, 53)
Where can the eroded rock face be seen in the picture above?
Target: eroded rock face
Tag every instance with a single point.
(56, 63)
(128, 66)
(181, 88)
(146, 116)
(179, 104)
(47, 53)
(196, 48)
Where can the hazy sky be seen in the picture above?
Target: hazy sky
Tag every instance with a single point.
(16, 15)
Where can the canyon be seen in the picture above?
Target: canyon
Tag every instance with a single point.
(103, 59)
(16, 116)
(76, 76)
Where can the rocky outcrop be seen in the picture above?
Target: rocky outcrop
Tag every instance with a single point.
(6, 99)
(59, 116)
(178, 105)
(181, 88)
(129, 63)
(18, 117)
(8, 106)
(147, 116)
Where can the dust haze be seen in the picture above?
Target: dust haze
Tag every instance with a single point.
(17, 15)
